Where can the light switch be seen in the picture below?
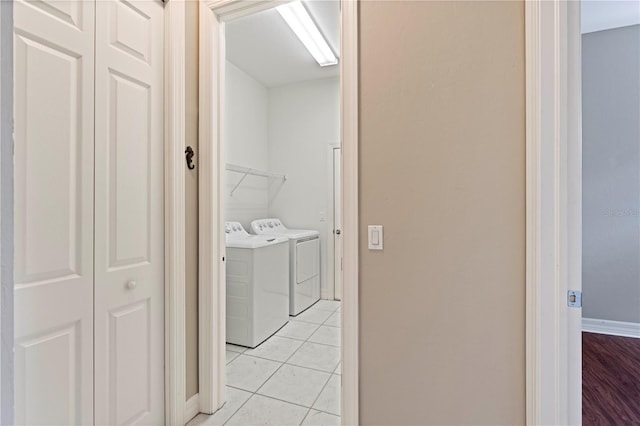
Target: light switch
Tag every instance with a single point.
(375, 237)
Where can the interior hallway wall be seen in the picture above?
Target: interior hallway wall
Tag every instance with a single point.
(246, 146)
(611, 174)
(303, 119)
(442, 167)
(191, 199)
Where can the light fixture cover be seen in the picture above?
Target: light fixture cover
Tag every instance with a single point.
(297, 17)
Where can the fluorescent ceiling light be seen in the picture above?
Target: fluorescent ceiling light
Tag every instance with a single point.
(297, 17)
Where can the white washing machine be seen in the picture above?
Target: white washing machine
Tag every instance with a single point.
(257, 285)
(304, 262)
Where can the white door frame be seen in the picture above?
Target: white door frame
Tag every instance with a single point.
(553, 218)
(174, 342)
(213, 14)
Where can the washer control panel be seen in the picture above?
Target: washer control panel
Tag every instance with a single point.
(267, 226)
(234, 230)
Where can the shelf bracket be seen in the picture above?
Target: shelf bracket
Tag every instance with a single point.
(239, 182)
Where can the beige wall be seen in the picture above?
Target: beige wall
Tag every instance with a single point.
(442, 167)
(191, 182)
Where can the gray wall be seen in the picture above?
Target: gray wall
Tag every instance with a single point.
(611, 174)
(442, 167)
(6, 212)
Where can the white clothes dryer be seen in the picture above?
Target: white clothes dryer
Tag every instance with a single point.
(257, 285)
(304, 262)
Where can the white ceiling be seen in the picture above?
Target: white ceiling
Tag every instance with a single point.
(264, 46)
(598, 15)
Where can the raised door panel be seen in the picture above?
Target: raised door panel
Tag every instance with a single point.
(130, 369)
(54, 142)
(49, 358)
(68, 12)
(49, 150)
(129, 256)
(128, 167)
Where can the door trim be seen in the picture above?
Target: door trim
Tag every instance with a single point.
(211, 295)
(553, 214)
(213, 14)
(175, 345)
(349, 122)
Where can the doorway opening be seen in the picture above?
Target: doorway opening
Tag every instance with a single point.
(267, 212)
(610, 212)
(283, 341)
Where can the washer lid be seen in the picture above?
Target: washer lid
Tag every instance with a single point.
(237, 237)
(256, 241)
(274, 226)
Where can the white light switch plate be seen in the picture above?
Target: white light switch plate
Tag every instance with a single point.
(375, 237)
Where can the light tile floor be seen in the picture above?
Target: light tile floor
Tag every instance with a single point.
(293, 378)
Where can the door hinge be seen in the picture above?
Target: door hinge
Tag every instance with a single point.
(574, 299)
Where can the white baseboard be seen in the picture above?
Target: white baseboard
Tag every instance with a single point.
(613, 328)
(191, 408)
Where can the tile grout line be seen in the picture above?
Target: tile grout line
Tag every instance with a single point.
(236, 412)
(284, 400)
(305, 416)
(332, 373)
(294, 365)
(284, 362)
(263, 383)
(278, 369)
(256, 391)
(316, 400)
(327, 382)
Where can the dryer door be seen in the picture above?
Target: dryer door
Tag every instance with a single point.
(307, 259)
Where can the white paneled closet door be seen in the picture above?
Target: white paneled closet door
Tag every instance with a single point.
(89, 272)
(54, 106)
(129, 220)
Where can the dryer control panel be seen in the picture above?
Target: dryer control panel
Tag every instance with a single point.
(267, 226)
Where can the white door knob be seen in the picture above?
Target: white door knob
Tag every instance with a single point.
(131, 285)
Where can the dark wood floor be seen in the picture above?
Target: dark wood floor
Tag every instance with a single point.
(610, 380)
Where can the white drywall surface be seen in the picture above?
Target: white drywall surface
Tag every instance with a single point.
(245, 144)
(304, 118)
(284, 130)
